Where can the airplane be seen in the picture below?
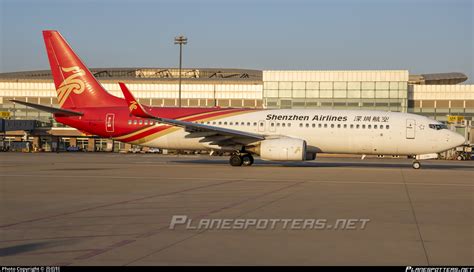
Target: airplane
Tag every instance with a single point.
(272, 134)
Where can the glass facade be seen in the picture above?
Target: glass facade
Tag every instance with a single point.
(441, 101)
(384, 90)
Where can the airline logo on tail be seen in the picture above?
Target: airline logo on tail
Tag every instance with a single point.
(133, 105)
(71, 84)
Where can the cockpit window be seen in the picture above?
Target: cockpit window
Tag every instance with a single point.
(438, 126)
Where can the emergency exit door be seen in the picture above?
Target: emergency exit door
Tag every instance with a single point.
(411, 125)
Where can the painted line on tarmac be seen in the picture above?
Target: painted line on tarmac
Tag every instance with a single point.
(247, 179)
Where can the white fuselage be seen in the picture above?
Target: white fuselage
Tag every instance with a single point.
(331, 131)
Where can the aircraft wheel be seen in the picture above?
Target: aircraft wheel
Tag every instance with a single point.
(247, 160)
(416, 165)
(235, 160)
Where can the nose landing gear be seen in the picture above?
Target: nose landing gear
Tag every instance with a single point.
(241, 159)
(416, 165)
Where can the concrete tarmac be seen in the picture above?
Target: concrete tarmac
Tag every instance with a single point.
(116, 209)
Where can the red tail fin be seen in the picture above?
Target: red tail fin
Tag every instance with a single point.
(75, 85)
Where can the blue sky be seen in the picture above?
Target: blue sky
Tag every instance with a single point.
(419, 35)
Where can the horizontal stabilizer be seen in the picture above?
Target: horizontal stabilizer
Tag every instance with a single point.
(49, 109)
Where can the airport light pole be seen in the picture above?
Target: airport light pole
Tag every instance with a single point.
(180, 40)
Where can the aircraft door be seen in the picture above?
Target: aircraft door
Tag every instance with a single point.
(109, 122)
(411, 125)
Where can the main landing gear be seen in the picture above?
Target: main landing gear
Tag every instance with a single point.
(238, 159)
(416, 165)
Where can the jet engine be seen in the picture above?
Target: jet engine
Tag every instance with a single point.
(281, 149)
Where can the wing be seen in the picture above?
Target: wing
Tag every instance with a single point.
(49, 109)
(211, 134)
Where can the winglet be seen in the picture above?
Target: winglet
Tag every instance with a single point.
(133, 106)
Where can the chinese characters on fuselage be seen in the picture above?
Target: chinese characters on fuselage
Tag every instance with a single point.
(319, 117)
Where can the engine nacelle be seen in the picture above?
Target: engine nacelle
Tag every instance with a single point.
(282, 149)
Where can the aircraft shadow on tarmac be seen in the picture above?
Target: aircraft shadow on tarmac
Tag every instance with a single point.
(24, 248)
(333, 164)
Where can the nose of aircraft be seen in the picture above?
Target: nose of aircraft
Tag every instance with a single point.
(456, 139)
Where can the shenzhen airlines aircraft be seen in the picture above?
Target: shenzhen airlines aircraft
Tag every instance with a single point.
(277, 135)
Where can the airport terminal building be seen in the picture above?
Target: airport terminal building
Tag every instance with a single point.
(439, 96)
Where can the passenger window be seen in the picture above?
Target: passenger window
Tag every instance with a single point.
(307, 125)
(146, 122)
(387, 126)
(313, 125)
(278, 124)
(152, 122)
(141, 122)
(357, 126)
(272, 124)
(352, 125)
(375, 126)
(255, 123)
(129, 122)
(225, 123)
(319, 125)
(231, 123)
(134, 122)
(262, 124)
(369, 126)
(332, 125)
(289, 124)
(345, 125)
(363, 126)
(325, 125)
(301, 124)
(248, 124)
(338, 125)
(283, 124)
(220, 123)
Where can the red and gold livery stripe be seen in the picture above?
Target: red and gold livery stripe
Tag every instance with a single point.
(150, 133)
